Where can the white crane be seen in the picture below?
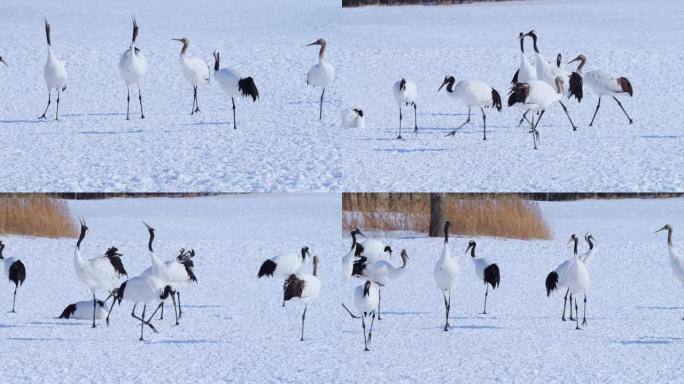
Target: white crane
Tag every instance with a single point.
(485, 271)
(15, 271)
(676, 258)
(233, 84)
(603, 83)
(445, 273)
(537, 96)
(55, 74)
(547, 72)
(353, 118)
(473, 93)
(351, 255)
(284, 264)
(526, 72)
(98, 273)
(322, 74)
(405, 94)
(305, 287)
(143, 289)
(367, 301)
(572, 274)
(133, 69)
(588, 256)
(176, 273)
(195, 71)
(380, 271)
(83, 310)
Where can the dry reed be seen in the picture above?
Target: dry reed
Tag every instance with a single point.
(506, 216)
(35, 215)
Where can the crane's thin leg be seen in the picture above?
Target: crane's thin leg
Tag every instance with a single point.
(303, 316)
(595, 112)
(128, 102)
(142, 322)
(446, 309)
(353, 316)
(142, 114)
(379, 300)
(175, 311)
(576, 317)
(94, 306)
(149, 320)
(452, 133)
(180, 309)
(572, 318)
(524, 118)
(484, 312)
(161, 315)
(194, 99)
(574, 128)
(197, 110)
(484, 124)
(370, 331)
(111, 307)
(14, 298)
(584, 317)
(565, 302)
(399, 137)
(623, 110)
(143, 318)
(57, 111)
(234, 123)
(47, 106)
(535, 133)
(320, 108)
(365, 340)
(415, 122)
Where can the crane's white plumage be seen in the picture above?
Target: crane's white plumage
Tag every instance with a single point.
(588, 256)
(526, 71)
(54, 73)
(195, 71)
(83, 310)
(98, 273)
(322, 74)
(354, 252)
(445, 273)
(233, 84)
(284, 264)
(573, 274)
(486, 271)
(305, 287)
(353, 118)
(405, 94)
(676, 257)
(367, 302)
(133, 70)
(474, 94)
(536, 96)
(14, 270)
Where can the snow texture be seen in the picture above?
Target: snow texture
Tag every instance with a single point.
(479, 41)
(279, 145)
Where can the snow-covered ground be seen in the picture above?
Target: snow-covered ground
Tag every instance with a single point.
(234, 329)
(636, 39)
(279, 145)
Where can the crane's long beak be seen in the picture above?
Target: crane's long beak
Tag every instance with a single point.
(575, 59)
(442, 86)
(314, 43)
(661, 229)
(147, 225)
(468, 249)
(179, 40)
(360, 233)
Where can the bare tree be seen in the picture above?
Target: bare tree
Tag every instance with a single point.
(437, 214)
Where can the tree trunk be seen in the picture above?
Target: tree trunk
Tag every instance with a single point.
(437, 214)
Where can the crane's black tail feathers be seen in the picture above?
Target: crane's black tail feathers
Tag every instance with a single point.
(492, 276)
(267, 268)
(248, 88)
(551, 283)
(518, 93)
(17, 273)
(576, 84)
(496, 100)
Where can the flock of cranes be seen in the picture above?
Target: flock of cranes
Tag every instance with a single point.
(368, 260)
(133, 68)
(536, 86)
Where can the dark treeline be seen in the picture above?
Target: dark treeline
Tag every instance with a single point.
(360, 3)
(110, 195)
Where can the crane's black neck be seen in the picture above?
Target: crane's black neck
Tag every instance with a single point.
(80, 237)
(353, 235)
(359, 250)
(575, 239)
(2, 247)
(534, 42)
(304, 251)
(149, 245)
(472, 250)
(669, 236)
(591, 243)
(446, 231)
(216, 62)
(522, 44)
